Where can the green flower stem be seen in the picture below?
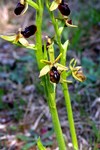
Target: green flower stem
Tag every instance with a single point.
(68, 106)
(39, 16)
(51, 53)
(50, 93)
(49, 88)
(32, 4)
(70, 116)
(56, 30)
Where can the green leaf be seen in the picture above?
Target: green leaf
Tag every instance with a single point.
(1, 92)
(40, 145)
(47, 134)
(28, 146)
(92, 77)
(24, 138)
(65, 45)
(88, 63)
(48, 143)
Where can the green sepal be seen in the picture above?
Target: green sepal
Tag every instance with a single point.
(65, 45)
(44, 70)
(26, 8)
(10, 38)
(60, 67)
(23, 41)
(53, 6)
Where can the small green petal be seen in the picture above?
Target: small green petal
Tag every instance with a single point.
(23, 41)
(65, 45)
(22, 2)
(71, 25)
(9, 38)
(31, 46)
(57, 59)
(44, 70)
(78, 75)
(26, 7)
(53, 6)
(60, 30)
(60, 67)
(77, 68)
(45, 61)
(72, 64)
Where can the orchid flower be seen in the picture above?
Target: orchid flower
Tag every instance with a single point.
(77, 72)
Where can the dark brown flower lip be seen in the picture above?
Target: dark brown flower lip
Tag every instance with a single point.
(29, 31)
(54, 75)
(64, 9)
(19, 8)
(62, 2)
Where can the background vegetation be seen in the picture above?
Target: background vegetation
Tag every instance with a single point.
(24, 113)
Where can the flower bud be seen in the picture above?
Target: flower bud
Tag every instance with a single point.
(19, 8)
(54, 75)
(29, 31)
(64, 9)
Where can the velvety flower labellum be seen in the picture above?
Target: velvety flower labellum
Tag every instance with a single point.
(64, 9)
(29, 31)
(19, 8)
(69, 21)
(54, 75)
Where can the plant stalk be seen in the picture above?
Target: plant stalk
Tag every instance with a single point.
(70, 116)
(49, 88)
(39, 16)
(50, 93)
(64, 85)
